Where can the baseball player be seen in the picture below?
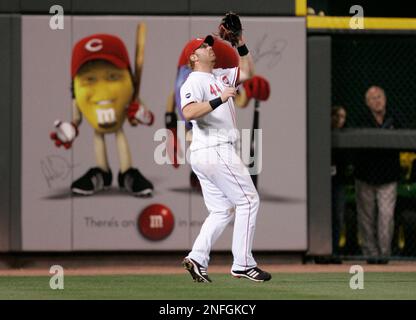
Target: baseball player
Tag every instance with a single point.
(257, 88)
(207, 100)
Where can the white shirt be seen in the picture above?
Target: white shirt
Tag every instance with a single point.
(218, 126)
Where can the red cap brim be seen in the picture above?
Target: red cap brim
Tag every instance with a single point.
(209, 40)
(101, 56)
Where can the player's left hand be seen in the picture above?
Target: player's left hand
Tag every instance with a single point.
(257, 88)
(228, 92)
(137, 113)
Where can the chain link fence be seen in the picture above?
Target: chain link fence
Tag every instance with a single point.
(374, 189)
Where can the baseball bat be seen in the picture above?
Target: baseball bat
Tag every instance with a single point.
(140, 44)
(253, 145)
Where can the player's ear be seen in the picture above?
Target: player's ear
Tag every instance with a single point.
(193, 57)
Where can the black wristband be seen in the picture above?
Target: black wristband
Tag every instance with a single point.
(215, 103)
(242, 50)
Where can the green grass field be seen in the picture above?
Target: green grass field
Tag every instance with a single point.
(178, 287)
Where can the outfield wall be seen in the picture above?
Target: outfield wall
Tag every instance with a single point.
(38, 212)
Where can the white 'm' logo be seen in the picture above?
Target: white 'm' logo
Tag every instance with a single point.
(94, 45)
(106, 116)
(156, 221)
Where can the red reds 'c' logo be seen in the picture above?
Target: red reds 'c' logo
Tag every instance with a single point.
(225, 80)
(94, 45)
(156, 222)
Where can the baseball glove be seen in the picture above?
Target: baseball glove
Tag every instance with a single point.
(230, 28)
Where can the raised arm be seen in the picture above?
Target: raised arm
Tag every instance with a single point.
(246, 64)
(231, 30)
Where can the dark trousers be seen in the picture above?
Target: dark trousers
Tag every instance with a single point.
(375, 214)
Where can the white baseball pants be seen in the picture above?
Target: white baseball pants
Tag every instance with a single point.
(228, 190)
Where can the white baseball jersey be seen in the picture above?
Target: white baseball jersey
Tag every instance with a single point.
(218, 126)
(226, 184)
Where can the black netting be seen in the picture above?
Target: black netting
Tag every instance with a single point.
(387, 61)
(374, 190)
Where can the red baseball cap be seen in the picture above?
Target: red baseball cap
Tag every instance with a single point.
(99, 47)
(194, 44)
(226, 55)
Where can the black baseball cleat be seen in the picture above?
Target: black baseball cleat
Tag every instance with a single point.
(133, 181)
(198, 272)
(91, 182)
(255, 274)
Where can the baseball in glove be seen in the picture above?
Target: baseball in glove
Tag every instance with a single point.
(230, 28)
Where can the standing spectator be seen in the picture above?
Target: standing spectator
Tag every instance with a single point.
(338, 182)
(376, 174)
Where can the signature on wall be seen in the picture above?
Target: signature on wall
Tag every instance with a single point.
(268, 50)
(55, 168)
